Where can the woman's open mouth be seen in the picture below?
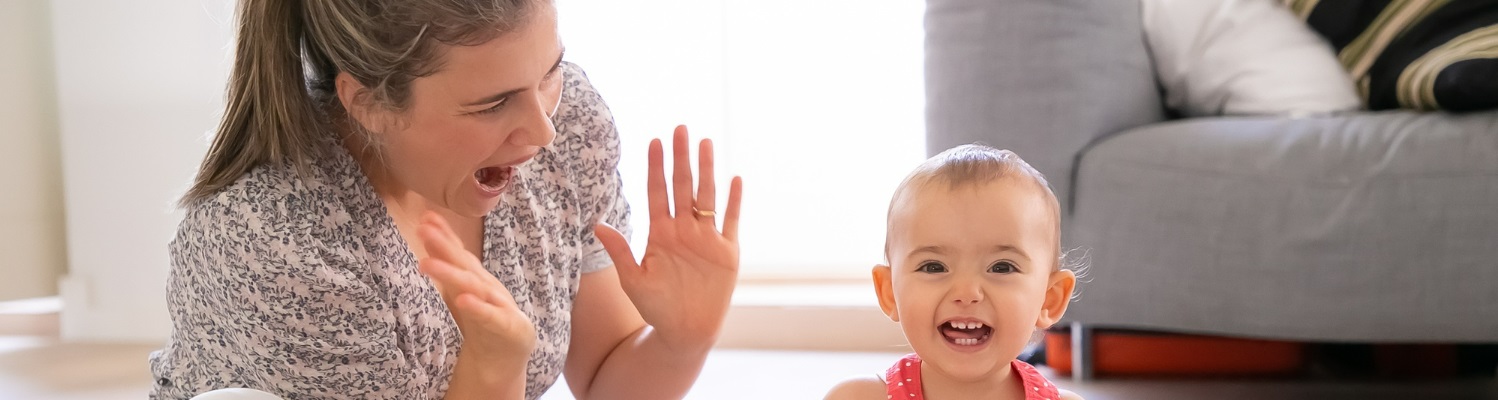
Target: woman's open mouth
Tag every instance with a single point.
(965, 332)
(494, 179)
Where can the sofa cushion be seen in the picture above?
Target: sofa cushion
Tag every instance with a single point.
(1376, 227)
(1417, 54)
(1243, 57)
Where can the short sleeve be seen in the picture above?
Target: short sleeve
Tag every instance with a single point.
(593, 141)
(263, 305)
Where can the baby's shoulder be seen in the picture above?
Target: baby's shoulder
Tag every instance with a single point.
(1069, 395)
(859, 388)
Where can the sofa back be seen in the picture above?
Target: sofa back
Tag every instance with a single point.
(1044, 78)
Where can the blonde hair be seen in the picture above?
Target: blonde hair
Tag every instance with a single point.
(280, 97)
(971, 165)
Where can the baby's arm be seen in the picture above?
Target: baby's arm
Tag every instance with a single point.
(1069, 395)
(859, 388)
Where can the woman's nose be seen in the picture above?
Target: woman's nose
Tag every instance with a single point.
(536, 129)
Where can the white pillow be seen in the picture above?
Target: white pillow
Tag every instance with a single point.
(1243, 57)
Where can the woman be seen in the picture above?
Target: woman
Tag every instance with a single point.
(401, 203)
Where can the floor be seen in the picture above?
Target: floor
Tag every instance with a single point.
(41, 368)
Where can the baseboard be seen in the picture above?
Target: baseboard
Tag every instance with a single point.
(809, 317)
(31, 317)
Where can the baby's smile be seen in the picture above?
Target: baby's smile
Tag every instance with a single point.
(965, 332)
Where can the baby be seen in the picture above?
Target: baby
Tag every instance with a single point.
(974, 254)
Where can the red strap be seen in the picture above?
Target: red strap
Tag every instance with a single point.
(1036, 386)
(903, 380)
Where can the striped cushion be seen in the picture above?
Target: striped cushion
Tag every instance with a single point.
(1416, 54)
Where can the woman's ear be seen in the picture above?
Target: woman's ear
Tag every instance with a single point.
(1057, 297)
(885, 289)
(354, 98)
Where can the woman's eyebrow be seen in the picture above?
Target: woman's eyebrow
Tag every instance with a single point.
(508, 93)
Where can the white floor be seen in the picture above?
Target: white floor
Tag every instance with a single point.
(39, 368)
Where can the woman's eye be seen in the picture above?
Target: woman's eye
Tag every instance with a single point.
(931, 267)
(1003, 267)
(497, 106)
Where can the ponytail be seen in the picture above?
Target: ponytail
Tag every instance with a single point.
(269, 116)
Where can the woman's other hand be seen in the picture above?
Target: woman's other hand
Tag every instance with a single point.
(683, 283)
(494, 330)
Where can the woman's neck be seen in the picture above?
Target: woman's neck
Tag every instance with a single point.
(370, 161)
(404, 205)
(937, 385)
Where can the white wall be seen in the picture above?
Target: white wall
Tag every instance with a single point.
(140, 86)
(31, 219)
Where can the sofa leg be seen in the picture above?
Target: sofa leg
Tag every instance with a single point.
(1081, 352)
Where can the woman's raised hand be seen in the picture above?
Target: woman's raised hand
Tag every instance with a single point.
(492, 325)
(683, 283)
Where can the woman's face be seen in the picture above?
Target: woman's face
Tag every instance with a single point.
(487, 110)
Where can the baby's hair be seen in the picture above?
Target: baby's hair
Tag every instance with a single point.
(972, 165)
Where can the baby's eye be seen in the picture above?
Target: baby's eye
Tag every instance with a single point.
(1003, 267)
(931, 267)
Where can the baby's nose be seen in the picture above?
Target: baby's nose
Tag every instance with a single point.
(967, 293)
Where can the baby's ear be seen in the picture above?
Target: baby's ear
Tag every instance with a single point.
(1057, 297)
(885, 289)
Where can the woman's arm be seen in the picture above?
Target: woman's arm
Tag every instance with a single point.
(474, 379)
(654, 321)
(611, 344)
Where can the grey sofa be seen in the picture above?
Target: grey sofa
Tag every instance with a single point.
(1369, 227)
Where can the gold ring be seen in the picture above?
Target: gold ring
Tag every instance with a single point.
(704, 213)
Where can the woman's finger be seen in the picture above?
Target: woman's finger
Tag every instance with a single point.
(706, 187)
(452, 281)
(440, 242)
(681, 178)
(490, 317)
(731, 213)
(655, 181)
(445, 227)
(443, 244)
(618, 249)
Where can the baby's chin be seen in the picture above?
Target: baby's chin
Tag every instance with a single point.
(970, 369)
(989, 362)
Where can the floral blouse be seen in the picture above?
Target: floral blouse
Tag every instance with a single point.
(304, 288)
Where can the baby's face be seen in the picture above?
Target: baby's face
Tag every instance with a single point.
(970, 270)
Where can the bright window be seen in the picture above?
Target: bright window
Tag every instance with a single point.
(818, 104)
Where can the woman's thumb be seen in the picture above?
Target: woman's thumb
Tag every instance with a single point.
(617, 247)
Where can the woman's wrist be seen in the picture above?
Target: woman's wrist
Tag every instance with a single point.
(476, 377)
(686, 342)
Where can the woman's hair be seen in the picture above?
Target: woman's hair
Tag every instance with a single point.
(971, 165)
(281, 95)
